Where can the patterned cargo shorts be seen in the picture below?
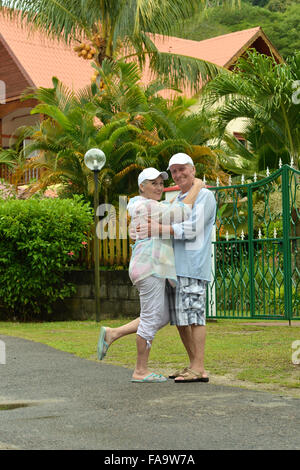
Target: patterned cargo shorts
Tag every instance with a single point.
(187, 302)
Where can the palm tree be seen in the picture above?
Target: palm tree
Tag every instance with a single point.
(167, 125)
(65, 135)
(195, 132)
(132, 125)
(261, 91)
(109, 27)
(14, 157)
(121, 120)
(118, 89)
(8, 157)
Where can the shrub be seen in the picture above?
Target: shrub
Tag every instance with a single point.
(39, 239)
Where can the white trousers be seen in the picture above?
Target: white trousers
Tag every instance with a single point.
(154, 307)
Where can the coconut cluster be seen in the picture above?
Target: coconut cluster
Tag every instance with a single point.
(86, 51)
(94, 50)
(90, 50)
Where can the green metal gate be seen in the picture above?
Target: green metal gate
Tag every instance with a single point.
(256, 249)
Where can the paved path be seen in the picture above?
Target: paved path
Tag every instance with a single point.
(72, 403)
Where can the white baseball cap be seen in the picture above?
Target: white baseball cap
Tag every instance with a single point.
(151, 174)
(180, 159)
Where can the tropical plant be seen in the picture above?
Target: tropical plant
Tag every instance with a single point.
(68, 131)
(168, 125)
(261, 91)
(118, 89)
(8, 157)
(114, 28)
(134, 127)
(14, 156)
(74, 123)
(198, 129)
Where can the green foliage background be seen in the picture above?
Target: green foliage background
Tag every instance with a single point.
(37, 239)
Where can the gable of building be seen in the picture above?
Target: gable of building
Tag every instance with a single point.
(12, 73)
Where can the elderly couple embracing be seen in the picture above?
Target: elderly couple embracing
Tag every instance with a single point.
(170, 266)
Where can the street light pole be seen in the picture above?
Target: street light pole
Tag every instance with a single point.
(95, 160)
(96, 248)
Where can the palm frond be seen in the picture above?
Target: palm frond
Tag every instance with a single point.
(163, 123)
(183, 71)
(121, 174)
(131, 148)
(198, 151)
(168, 146)
(8, 157)
(53, 112)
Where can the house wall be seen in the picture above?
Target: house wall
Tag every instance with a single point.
(14, 81)
(13, 115)
(11, 75)
(10, 110)
(13, 120)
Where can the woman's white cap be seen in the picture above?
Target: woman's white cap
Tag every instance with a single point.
(151, 174)
(180, 159)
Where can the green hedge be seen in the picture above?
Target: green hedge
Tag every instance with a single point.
(39, 241)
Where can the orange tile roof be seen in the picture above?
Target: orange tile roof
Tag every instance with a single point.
(41, 58)
(219, 50)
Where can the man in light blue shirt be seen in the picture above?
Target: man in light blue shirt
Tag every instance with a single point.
(192, 238)
(192, 247)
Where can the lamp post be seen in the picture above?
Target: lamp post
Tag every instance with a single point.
(95, 160)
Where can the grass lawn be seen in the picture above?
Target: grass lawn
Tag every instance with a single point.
(251, 355)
